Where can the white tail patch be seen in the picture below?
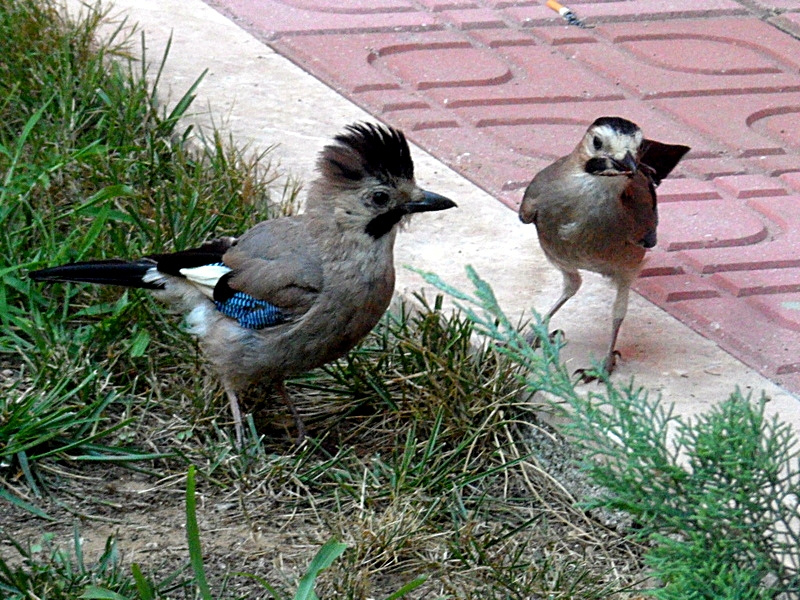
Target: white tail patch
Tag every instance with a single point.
(154, 276)
(205, 277)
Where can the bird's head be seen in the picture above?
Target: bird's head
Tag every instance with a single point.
(367, 180)
(611, 147)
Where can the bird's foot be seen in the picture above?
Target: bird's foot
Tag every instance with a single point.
(586, 375)
(592, 374)
(535, 342)
(298, 421)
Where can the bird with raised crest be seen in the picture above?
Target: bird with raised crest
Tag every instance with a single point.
(292, 293)
(595, 210)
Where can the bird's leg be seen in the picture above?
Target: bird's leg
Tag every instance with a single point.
(618, 313)
(301, 428)
(237, 414)
(617, 316)
(572, 283)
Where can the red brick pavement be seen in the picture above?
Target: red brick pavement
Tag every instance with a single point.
(499, 88)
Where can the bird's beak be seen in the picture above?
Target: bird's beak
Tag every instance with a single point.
(430, 201)
(627, 165)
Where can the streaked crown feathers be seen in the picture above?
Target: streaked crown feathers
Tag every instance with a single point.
(617, 124)
(367, 150)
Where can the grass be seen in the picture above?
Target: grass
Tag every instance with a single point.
(94, 166)
(427, 473)
(53, 573)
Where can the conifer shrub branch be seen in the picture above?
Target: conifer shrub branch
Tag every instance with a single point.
(715, 498)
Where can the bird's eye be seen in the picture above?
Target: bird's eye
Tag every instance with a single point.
(380, 198)
(597, 143)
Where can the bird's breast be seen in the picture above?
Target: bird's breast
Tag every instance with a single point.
(357, 291)
(592, 234)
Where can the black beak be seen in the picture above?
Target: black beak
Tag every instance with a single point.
(627, 165)
(429, 202)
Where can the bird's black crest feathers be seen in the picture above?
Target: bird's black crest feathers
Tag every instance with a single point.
(618, 124)
(367, 150)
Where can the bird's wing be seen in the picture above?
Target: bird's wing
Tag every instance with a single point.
(641, 213)
(275, 262)
(540, 189)
(656, 161)
(660, 158)
(200, 266)
(268, 276)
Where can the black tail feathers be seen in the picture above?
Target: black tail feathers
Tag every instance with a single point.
(105, 272)
(661, 158)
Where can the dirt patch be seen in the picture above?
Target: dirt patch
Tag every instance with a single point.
(147, 519)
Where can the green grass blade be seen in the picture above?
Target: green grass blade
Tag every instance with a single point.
(330, 551)
(276, 595)
(409, 587)
(193, 537)
(76, 543)
(143, 586)
(186, 100)
(110, 456)
(94, 592)
(27, 506)
(22, 459)
(21, 141)
(109, 192)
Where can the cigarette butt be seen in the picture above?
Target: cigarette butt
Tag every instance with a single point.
(559, 8)
(567, 14)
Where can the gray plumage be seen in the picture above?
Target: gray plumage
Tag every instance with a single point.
(595, 210)
(293, 293)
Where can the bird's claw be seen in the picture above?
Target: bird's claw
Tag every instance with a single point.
(592, 374)
(554, 336)
(586, 375)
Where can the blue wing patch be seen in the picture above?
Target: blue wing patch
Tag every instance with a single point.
(251, 312)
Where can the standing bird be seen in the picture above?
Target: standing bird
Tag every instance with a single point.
(293, 293)
(595, 209)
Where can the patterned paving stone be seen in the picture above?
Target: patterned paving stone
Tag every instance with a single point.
(756, 125)
(625, 10)
(709, 224)
(789, 22)
(499, 88)
(761, 282)
(661, 61)
(747, 332)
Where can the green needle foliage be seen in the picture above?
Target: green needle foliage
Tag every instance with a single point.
(715, 498)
